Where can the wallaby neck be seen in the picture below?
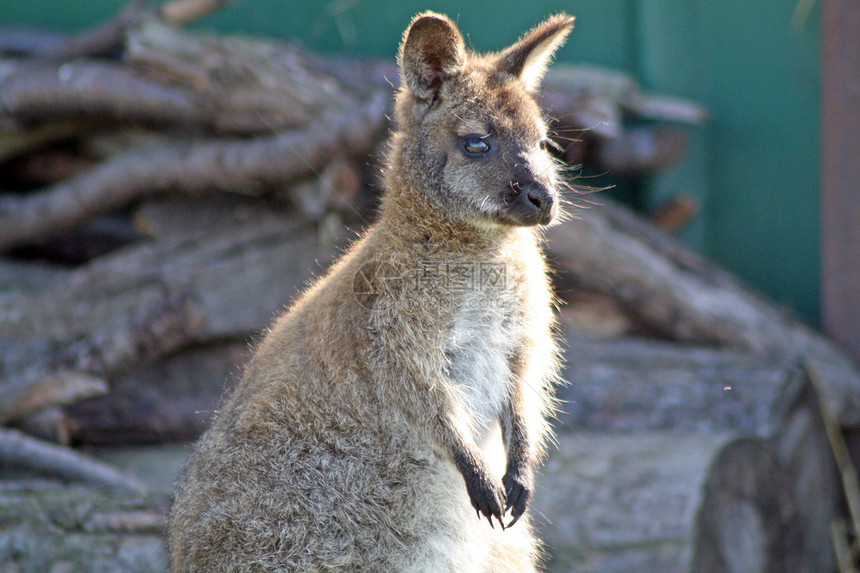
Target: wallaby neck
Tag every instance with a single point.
(410, 216)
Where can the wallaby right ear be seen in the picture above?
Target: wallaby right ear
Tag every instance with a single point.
(432, 51)
(528, 58)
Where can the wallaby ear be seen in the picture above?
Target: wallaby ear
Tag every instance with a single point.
(528, 58)
(432, 51)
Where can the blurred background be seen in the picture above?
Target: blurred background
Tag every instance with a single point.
(165, 192)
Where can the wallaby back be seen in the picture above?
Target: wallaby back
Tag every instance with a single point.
(409, 387)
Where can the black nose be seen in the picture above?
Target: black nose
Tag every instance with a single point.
(535, 205)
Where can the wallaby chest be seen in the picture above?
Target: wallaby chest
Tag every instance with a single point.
(478, 350)
(483, 335)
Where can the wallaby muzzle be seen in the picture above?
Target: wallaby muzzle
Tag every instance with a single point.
(530, 204)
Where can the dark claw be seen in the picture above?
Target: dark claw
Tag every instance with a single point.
(512, 495)
(485, 492)
(486, 498)
(518, 491)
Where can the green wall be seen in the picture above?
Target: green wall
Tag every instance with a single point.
(754, 168)
(763, 213)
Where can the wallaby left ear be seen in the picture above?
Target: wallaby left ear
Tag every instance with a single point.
(528, 58)
(433, 50)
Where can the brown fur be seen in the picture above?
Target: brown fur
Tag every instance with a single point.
(408, 388)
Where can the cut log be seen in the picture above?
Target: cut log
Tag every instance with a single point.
(801, 448)
(662, 503)
(584, 98)
(29, 41)
(49, 425)
(107, 39)
(179, 12)
(605, 248)
(623, 389)
(635, 385)
(49, 526)
(104, 40)
(79, 245)
(173, 80)
(674, 214)
(106, 91)
(595, 83)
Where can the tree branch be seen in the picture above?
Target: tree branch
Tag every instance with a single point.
(50, 91)
(106, 39)
(26, 395)
(180, 12)
(192, 167)
(22, 452)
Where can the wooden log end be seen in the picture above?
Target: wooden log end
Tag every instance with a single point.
(660, 502)
(747, 520)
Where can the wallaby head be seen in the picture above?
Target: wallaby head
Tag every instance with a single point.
(471, 137)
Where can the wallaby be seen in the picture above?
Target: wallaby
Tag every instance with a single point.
(407, 389)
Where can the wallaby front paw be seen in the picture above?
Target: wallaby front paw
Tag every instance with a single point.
(486, 495)
(518, 490)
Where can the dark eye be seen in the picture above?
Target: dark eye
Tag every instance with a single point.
(552, 147)
(475, 145)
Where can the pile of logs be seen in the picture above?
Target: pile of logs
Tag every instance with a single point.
(165, 194)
